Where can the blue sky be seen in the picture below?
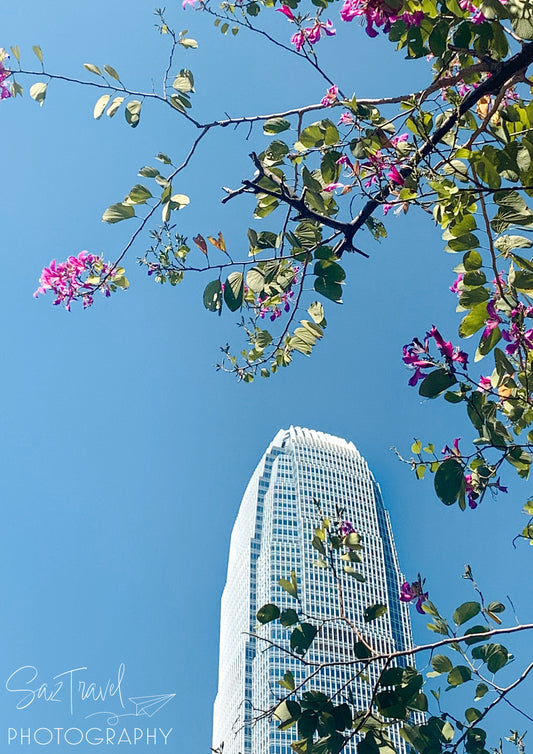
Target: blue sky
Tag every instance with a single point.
(125, 453)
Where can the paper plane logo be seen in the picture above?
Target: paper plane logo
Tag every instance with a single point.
(147, 706)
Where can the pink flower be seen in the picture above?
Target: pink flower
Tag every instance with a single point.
(378, 13)
(65, 279)
(484, 385)
(345, 161)
(313, 33)
(454, 288)
(332, 186)
(346, 119)
(330, 98)
(298, 40)
(5, 92)
(286, 12)
(395, 176)
(399, 139)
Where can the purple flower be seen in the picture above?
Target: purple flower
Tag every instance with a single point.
(414, 592)
(346, 528)
(493, 320)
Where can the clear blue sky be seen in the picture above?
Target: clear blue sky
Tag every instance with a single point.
(124, 453)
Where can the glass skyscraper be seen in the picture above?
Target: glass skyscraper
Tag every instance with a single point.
(272, 536)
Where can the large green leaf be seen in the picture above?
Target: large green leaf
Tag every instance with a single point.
(458, 675)
(276, 125)
(448, 480)
(117, 212)
(466, 611)
(474, 320)
(441, 664)
(213, 296)
(233, 291)
(436, 382)
(302, 637)
(184, 81)
(268, 613)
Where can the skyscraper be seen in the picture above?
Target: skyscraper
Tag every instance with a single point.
(272, 536)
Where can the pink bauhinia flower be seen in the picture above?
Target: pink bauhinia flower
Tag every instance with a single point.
(298, 40)
(330, 97)
(5, 92)
(286, 12)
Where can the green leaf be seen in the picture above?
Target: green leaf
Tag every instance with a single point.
(372, 612)
(38, 52)
(111, 72)
(114, 106)
(441, 664)
(268, 613)
(138, 195)
(133, 112)
(290, 586)
(288, 617)
(472, 260)
(474, 320)
(100, 106)
(495, 607)
(233, 291)
(481, 690)
(316, 312)
(447, 731)
(472, 714)
(466, 611)
(38, 92)
(288, 712)
(255, 280)
(117, 212)
(475, 630)
(92, 68)
(287, 681)
(436, 382)
(458, 675)
(179, 201)
(328, 289)
(302, 637)
(184, 81)
(213, 296)
(148, 172)
(497, 658)
(523, 281)
(162, 157)
(352, 572)
(276, 125)
(449, 480)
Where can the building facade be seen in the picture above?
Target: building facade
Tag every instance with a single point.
(272, 536)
